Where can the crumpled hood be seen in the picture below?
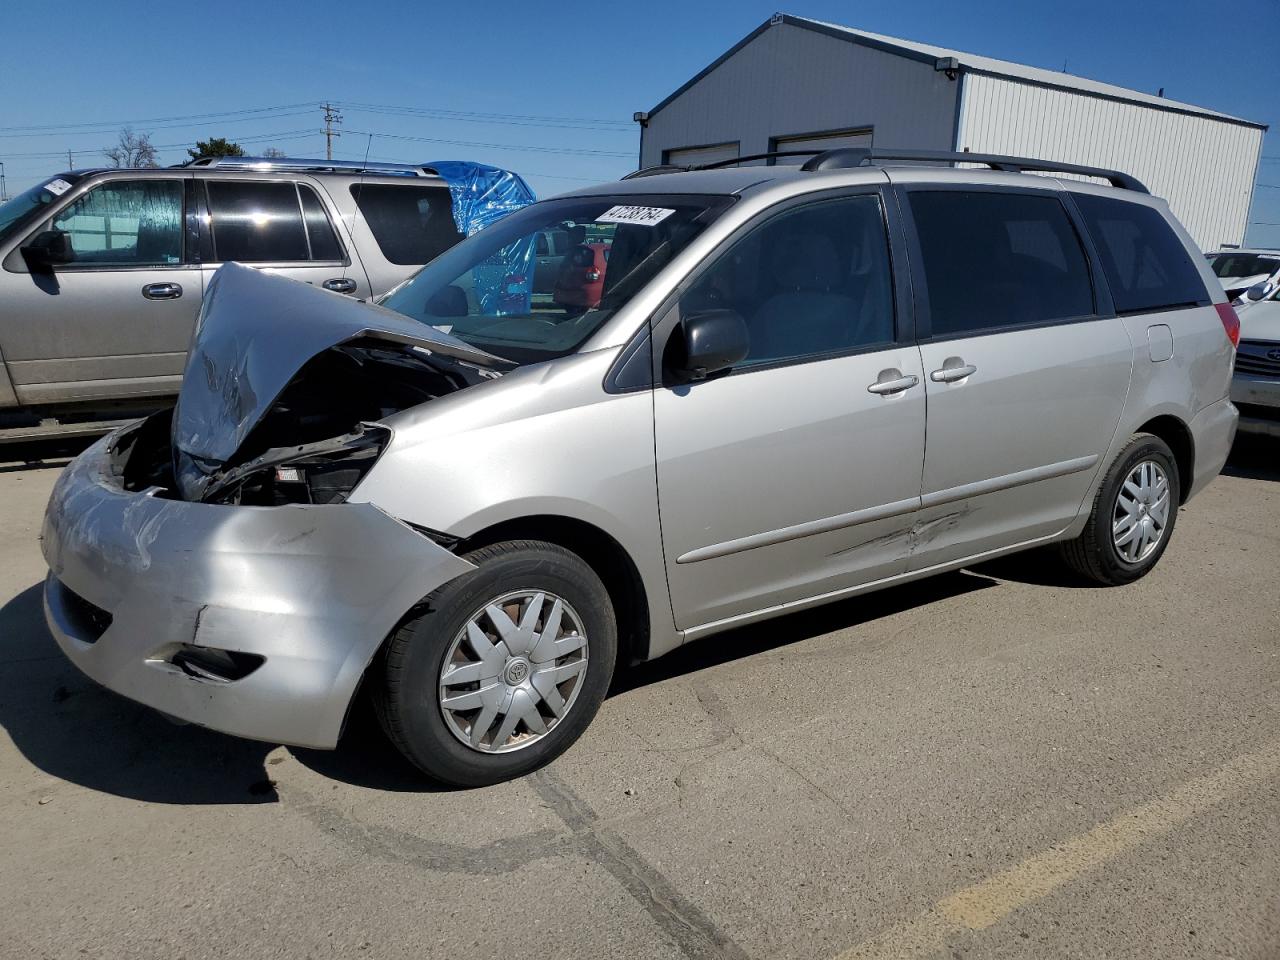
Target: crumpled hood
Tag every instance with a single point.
(256, 331)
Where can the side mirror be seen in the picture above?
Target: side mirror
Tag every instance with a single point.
(448, 302)
(712, 340)
(48, 249)
(1258, 291)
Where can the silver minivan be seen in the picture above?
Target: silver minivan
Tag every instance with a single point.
(102, 272)
(791, 386)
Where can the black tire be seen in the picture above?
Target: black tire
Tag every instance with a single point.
(1093, 554)
(407, 673)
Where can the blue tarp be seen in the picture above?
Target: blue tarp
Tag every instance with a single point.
(483, 195)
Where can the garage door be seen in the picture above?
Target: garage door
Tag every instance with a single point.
(820, 141)
(692, 156)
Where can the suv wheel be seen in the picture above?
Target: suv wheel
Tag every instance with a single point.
(502, 669)
(1132, 517)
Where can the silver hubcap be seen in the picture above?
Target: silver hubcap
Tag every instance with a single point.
(513, 672)
(1141, 514)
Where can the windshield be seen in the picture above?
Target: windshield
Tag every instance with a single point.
(537, 284)
(1242, 264)
(26, 207)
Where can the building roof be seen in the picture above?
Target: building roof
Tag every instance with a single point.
(967, 62)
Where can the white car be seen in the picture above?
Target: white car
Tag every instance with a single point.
(1239, 270)
(1255, 388)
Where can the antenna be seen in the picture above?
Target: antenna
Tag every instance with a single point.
(331, 116)
(358, 194)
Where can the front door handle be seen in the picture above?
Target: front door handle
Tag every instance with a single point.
(892, 381)
(953, 369)
(162, 291)
(340, 285)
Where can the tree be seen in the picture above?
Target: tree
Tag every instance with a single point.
(132, 150)
(275, 153)
(216, 147)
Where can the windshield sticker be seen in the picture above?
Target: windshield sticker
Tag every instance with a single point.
(644, 216)
(57, 187)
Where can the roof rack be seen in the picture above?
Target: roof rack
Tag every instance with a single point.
(848, 157)
(312, 166)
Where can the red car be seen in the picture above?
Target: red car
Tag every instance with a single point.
(580, 282)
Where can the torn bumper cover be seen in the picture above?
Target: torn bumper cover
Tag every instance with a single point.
(255, 621)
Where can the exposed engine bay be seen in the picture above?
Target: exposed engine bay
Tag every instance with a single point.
(319, 437)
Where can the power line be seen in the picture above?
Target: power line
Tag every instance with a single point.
(471, 115)
(111, 127)
(255, 138)
(55, 128)
(569, 151)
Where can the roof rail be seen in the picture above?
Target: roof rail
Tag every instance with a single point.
(312, 166)
(845, 158)
(857, 156)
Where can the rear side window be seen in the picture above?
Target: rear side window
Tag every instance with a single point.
(411, 224)
(993, 260)
(324, 242)
(1146, 265)
(256, 222)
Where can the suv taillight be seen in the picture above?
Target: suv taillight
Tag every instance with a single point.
(1230, 322)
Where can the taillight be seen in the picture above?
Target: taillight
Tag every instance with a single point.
(1230, 322)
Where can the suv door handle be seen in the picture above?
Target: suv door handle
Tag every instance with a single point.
(162, 291)
(892, 381)
(953, 369)
(340, 285)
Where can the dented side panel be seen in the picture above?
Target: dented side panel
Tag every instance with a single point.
(312, 589)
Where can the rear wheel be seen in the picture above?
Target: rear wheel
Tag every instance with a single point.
(1133, 515)
(502, 669)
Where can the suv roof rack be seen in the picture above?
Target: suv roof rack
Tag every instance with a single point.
(848, 157)
(312, 166)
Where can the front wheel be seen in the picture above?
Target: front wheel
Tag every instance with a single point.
(1132, 517)
(502, 669)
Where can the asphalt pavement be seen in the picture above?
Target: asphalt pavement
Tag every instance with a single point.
(999, 762)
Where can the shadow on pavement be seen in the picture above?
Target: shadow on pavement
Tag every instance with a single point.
(70, 728)
(1254, 458)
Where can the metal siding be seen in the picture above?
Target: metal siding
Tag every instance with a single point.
(1202, 166)
(789, 81)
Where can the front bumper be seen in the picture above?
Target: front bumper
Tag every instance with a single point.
(311, 590)
(1258, 398)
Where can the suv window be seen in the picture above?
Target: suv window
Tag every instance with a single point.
(412, 224)
(1146, 265)
(126, 223)
(256, 221)
(813, 280)
(324, 242)
(993, 260)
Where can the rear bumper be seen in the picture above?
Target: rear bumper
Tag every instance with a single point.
(1259, 402)
(1212, 431)
(306, 592)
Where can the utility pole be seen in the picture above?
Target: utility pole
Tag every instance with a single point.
(331, 117)
(70, 163)
(4, 194)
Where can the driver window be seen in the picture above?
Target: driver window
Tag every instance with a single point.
(811, 281)
(125, 223)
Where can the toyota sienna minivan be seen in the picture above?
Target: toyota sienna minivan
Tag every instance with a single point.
(797, 385)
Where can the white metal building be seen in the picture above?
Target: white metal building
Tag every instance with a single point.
(797, 84)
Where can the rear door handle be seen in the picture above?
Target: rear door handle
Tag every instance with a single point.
(953, 369)
(340, 285)
(892, 381)
(162, 291)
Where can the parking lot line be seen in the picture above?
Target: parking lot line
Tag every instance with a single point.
(987, 903)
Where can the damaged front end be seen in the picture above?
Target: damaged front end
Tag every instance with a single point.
(204, 561)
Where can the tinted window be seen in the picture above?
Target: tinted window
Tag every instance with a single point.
(810, 281)
(256, 222)
(126, 223)
(324, 242)
(411, 224)
(1146, 265)
(1242, 264)
(994, 260)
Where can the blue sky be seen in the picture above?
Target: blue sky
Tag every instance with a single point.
(84, 68)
